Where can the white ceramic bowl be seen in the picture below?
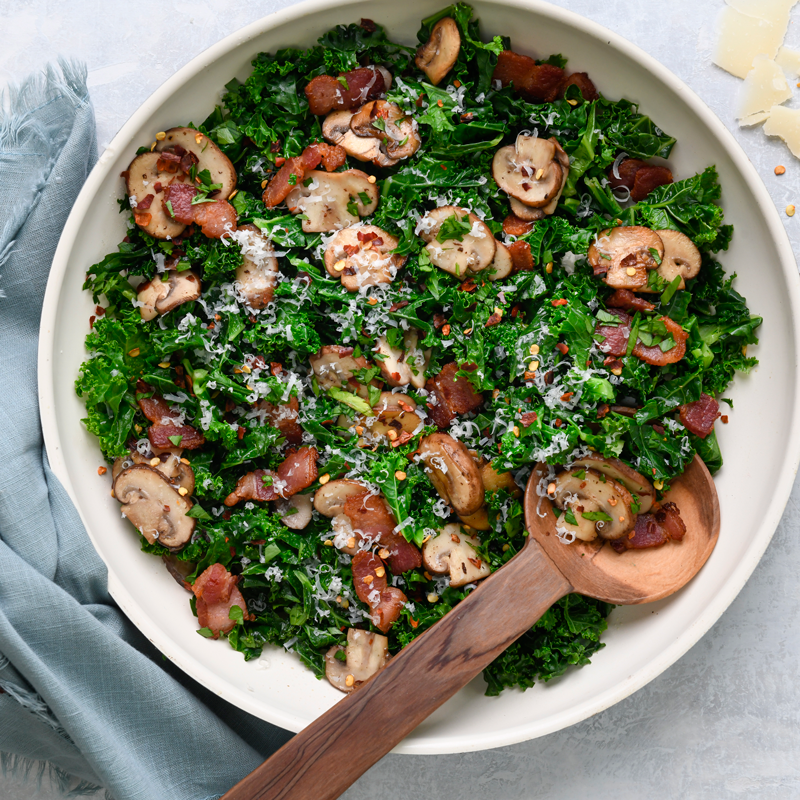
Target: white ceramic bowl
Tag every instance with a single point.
(760, 444)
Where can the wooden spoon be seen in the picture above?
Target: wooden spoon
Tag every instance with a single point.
(325, 758)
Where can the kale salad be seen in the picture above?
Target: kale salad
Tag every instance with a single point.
(356, 306)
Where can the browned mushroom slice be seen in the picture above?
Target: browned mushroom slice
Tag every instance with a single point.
(361, 256)
(563, 160)
(452, 551)
(529, 170)
(148, 207)
(380, 119)
(469, 246)
(519, 209)
(336, 129)
(257, 276)
(154, 507)
(209, 156)
(366, 654)
(295, 513)
(335, 365)
(330, 499)
(180, 570)
(438, 55)
(159, 297)
(502, 265)
(452, 472)
(399, 367)
(618, 470)
(681, 258)
(326, 197)
(625, 255)
(168, 462)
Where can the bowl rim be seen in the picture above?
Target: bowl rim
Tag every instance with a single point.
(736, 578)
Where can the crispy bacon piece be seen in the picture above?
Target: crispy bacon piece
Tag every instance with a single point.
(655, 355)
(297, 472)
(330, 156)
(514, 226)
(521, 256)
(179, 196)
(145, 202)
(639, 176)
(625, 298)
(350, 90)
(386, 602)
(538, 83)
(216, 593)
(168, 162)
(453, 396)
(159, 436)
(284, 417)
(528, 418)
(215, 219)
(583, 82)
(615, 342)
(699, 416)
(653, 530)
(155, 408)
(188, 160)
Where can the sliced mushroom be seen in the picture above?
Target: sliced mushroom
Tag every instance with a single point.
(438, 55)
(519, 209)
(563, 160)
(584, 529)
(361, 255)
(335, 365)
(257, 277)
(473, 252)
(626, 255)
(452, 472)
(681, 258)
(453, 551)
(612, 498)
(530, 170)
(501, 265)
(154, 507)
(143, 175)
(324, 201)
(479, 520)
(159, 297)
(170, 464)
(387, 122)
(180, 570)
(399, 367)
(494, 481)
(366, 654)
(330, 498)
(395, 414)
(295, 513)
(632, 480)
(336, 129)
(209, 156)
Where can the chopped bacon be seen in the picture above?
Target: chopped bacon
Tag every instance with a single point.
(161, 436)
(179, 196)
(142, 220)
(281, 184)
(215, 219)
(494, 319)
(216, 593)
(653, 530)
(168, 162)
(514, 226)
(144, 203)
(699, 416)
(284, 417)
(155, 407)
(655, 355)
(355, 88)
(521, 256)
(372, 588)
(615, 342)
(330, 156)
(625, 298)
(583, 82)
(538, 83)
(188, 160)
(453, 396)
(297, 472)
(528, 418)
(639, 176)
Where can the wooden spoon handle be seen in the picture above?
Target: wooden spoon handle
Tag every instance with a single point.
(325, 758)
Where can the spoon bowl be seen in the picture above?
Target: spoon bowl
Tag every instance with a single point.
(326, 757)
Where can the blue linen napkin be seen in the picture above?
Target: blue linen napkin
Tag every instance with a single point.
(81, 687)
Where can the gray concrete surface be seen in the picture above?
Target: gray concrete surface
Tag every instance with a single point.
(724, 722)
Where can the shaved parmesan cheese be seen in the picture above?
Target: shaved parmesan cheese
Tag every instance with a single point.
(789, 61)
(753, 119)
(765, 86)
(742, 37)
(785, 123)
(764, 9)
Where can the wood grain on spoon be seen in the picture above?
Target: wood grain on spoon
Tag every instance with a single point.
(325, 758)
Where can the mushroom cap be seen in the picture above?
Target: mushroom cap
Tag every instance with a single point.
(681, 257)
(209, 155)
(529, 170)
(160, 297)
(479, 520)
(398, 132)
(362, 263)
(170, 465)
(336, 129)
(626, 255)
(453, 472)
(324, 201)
(502, 264)
(612, 498)
(585, 530)
(143, 174)
(473, 253)
(494, 481)
(519, 209)
(335, 365)
(366, 654)
(399, 367)
(454, 551)
(393, 412)
(438, 55)
(330, 498)
(154, 507)
(257, 276)
(295, 512)
(632, 480)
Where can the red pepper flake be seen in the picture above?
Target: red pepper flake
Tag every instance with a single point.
(654, 470)
(445, 330)
(562, 348)
(275, 368)
(280, 161)
(566, 397)
(240, 432)
(528, 418)
(469, 285)
(412, 622)
(560, 302)
(514, 311)
(102, 470)
(724, 419)
(211, 326)
(91, 321)
(557, 423)
(99, 310)
(443, 166)
(439, 103)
